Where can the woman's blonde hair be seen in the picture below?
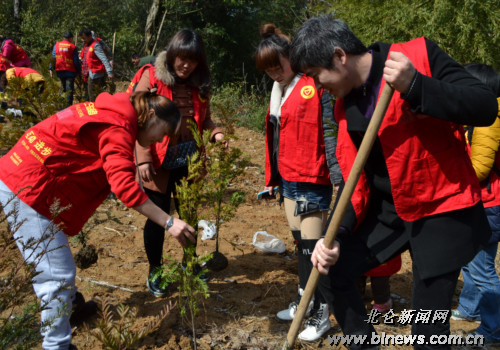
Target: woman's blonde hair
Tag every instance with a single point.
(164, 108)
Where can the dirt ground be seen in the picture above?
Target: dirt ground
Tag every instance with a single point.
(244, 298)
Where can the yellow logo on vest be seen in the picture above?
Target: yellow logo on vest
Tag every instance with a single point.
(91, 110)
(307, 92)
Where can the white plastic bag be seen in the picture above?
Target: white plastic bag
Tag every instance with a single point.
(268, 243)
(209, 230)
(15, 112)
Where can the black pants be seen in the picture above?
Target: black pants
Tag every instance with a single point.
(154, 234)
(344, 298)
(380, 286)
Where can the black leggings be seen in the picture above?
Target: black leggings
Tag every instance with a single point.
(154, 234)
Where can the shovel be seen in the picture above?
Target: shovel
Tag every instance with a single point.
(345, 198)
(112, 85)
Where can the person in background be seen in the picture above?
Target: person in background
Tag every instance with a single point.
(97, 63)
(138, 61)
(85, 71)
(67, 64)
(13, 53)
(296, 122)
(480, 296)
(29, 75)
(107, 50)
(31, 80)
(418, 189)
(380, 284)
(73, 160)
(181, 73)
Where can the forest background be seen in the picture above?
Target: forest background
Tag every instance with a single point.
(468, 30)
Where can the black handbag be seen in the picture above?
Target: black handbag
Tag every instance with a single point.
(177, 155)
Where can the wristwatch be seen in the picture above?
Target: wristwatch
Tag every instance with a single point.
(169, 223)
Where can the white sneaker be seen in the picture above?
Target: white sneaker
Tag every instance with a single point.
(289, 314)
(317, 325)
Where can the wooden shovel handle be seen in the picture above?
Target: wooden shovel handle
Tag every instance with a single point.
(345, 198)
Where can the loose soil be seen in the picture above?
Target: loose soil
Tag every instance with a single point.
(244, 297)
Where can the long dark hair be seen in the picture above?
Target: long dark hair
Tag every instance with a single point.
(188, 44)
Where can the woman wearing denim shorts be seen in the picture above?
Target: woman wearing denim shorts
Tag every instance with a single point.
(299, 140)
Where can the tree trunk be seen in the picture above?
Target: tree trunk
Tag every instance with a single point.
(159, 32)
(150, 22)
(16, 28)
(17, 9)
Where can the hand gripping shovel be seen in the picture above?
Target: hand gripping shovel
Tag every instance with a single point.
(345, 198)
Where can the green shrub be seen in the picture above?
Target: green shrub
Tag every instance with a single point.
(247, 108)
(36, 106)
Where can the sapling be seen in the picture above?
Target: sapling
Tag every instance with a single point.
(115, 333)
(223, 167)
(189, 274)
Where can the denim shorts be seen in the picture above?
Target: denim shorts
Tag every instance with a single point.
(314, 193)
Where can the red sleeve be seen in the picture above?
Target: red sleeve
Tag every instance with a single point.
(115, 147)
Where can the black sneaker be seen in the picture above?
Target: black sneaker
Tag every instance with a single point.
(197, 270)
(72, 347)
(203, 276)
(154, 286)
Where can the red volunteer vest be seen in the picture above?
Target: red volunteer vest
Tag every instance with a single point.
(51, 159)
(94, 63)
(200, 105)
(64, 56)
(427, 160)
(301, 154)
(137, 78)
